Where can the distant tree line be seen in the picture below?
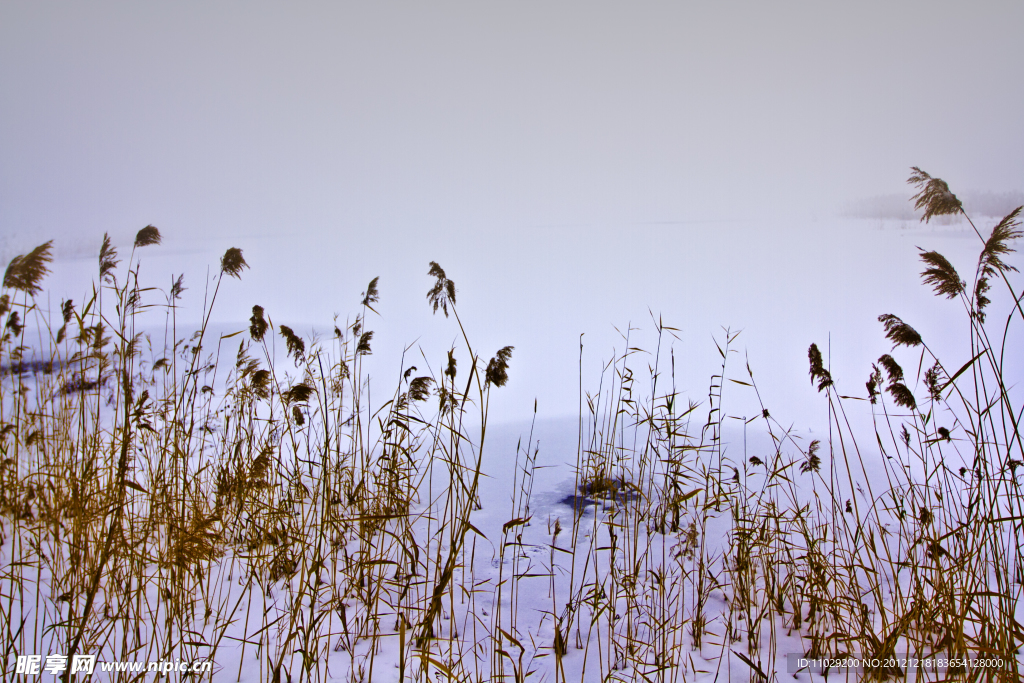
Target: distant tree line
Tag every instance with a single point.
(899, 206)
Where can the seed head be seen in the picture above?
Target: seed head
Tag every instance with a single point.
(147, 236)
(25, 272)
(232, 263)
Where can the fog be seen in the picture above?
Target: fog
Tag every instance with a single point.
(337, 118)
(572, 167)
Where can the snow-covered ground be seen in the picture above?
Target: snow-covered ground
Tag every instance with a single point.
(545, 290)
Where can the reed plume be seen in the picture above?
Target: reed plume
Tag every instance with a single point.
(902, 395)
(372, 294)
(818, 371)
(941, 275)
(108, 259)
(898, 332)
(419, 388)
(147, 236)
(363, 347)
(497, 368)
(813, 461)
(299, 393)
(257, 324)
(232, 263)
(990, 261)
(296, 347)
(892, 368)
(934, 195)
(443, 291)
(998, 244)
(26, 271)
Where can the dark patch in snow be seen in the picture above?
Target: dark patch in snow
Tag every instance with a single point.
(601, 492)
(33, 367)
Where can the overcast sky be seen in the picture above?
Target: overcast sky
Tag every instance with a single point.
(251, 117)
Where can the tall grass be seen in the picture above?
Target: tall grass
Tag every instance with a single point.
(210, 498)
